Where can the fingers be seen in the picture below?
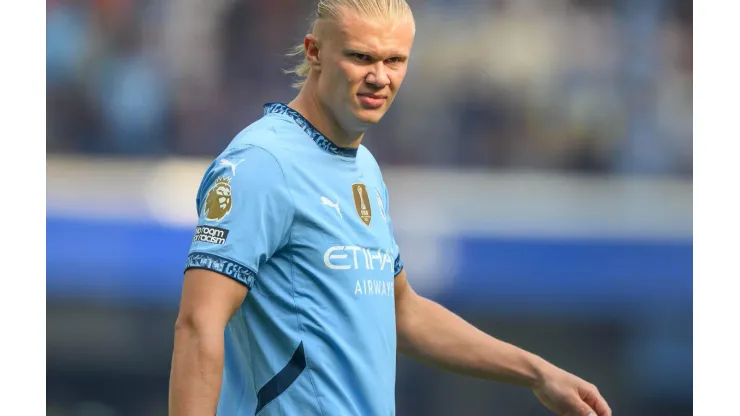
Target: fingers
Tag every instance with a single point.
(602, 409)
(586, 411)
(581, 410)
(593, 398)
(581, 407)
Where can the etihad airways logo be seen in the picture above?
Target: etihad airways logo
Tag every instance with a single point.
(357, 258)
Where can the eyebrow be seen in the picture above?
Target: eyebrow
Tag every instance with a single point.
(374, 54)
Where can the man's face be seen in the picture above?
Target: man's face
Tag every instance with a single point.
(363, 64)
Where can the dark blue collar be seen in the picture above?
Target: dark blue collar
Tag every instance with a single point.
(313, 132)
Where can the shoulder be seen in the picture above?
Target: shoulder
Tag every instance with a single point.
(268, 140)
(271, 135)
(257, 156)
(366, 158)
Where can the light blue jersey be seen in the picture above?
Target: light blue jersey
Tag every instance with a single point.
(304, 225)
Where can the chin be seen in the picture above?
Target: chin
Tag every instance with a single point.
(369, 116)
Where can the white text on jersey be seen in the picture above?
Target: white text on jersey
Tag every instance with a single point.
(347, 258)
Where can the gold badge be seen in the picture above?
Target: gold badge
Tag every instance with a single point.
(362, 202)
(218, 200)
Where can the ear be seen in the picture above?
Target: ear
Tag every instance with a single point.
(311, 44)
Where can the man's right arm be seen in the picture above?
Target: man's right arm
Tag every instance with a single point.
(209, 300)
(244, 214)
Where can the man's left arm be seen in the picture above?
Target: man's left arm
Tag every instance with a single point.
(433, 335)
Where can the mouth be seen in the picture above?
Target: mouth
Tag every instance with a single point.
(372, 101)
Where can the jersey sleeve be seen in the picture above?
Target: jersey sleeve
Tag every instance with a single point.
(244, 215)
(397, 262)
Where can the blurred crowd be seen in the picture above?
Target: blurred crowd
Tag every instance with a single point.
(601, 86)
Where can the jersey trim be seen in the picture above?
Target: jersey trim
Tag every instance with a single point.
(313, 132)
(222, 265)
(282, 380)
(397, 266)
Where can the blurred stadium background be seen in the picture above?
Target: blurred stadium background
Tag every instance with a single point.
(539, 159)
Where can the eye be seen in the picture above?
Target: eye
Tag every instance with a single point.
(361, 57)
(394, 60)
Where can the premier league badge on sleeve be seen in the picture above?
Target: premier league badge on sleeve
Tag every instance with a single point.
(218, 200)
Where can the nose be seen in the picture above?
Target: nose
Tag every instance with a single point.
(378, 76)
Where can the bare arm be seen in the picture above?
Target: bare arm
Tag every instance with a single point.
(209, 300)
(430, 333)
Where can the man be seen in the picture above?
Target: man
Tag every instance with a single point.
(295, 301)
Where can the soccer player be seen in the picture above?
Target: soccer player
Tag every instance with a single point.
(295, 300)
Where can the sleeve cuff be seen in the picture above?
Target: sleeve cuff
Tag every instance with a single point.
(397, 266)
(222, 265)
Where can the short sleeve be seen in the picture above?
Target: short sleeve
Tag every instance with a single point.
(397, 262)
(244, 214)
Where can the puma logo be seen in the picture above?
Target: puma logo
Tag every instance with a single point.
(225, 162)
(328, 202)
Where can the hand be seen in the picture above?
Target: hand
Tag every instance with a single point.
(568, 395)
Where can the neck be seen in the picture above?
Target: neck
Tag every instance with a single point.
(309, 106)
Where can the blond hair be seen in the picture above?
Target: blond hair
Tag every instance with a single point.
(332, 9)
